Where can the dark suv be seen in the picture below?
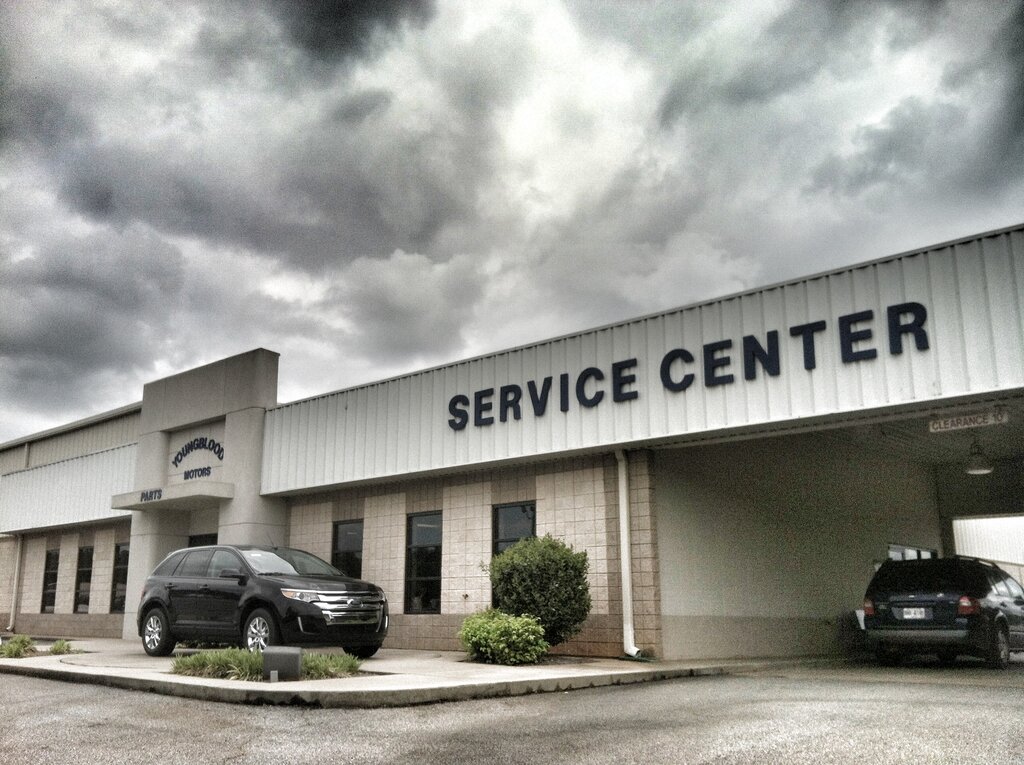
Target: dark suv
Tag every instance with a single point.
(258, 596)
(944, 606)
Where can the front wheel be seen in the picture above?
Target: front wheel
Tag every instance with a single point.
(156, 634)
(260, 631)
(999, 649)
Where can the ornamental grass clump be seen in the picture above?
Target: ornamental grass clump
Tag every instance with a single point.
(17, 647)
(239, 664)
(544, 578)
(222, 664)
(61, 648)
(494, 637)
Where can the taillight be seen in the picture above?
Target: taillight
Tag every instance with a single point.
(967, 606)
(869, 607)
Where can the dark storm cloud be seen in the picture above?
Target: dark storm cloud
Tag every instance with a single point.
(407, 306)
(80, 314)
(333, 30)
(808, 38)
(916, 143)
(87, 299)
(378, 186)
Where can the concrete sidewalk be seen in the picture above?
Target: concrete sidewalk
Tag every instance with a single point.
(391, 678)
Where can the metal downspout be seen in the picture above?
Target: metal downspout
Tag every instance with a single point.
(626, 558)
(17, 581)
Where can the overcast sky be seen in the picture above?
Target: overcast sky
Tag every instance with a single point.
(373, 188)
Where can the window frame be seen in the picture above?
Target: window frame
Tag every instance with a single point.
(500, 544)
(83, 580)
(49, 600)
(410, 606)
(119, 578)
(336, 554)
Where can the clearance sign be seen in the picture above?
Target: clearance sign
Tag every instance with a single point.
(721, 362)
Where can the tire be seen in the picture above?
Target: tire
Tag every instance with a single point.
(156, 633)
(363, 651)
(260, 631)
(999, 649)
(947, 658)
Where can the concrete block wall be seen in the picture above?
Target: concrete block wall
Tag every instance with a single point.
(576, 501)
(98, 622)
(766, 546)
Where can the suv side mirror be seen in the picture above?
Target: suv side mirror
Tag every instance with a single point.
(233, 573)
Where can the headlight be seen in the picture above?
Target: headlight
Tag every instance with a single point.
(306, 596)
(383, 597)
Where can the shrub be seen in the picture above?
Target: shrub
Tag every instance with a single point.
(61, 647)
(239, 664)
(17, 647)
(499, 638)
(545, 578)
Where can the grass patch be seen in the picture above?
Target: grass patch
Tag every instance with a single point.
(62, 647)
(18, 647)
(238, 664)
(223, 664)
(320, 666)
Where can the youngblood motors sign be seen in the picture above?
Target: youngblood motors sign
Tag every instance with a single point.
(200, 444)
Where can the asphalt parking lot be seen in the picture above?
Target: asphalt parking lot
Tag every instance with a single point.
(793, 713)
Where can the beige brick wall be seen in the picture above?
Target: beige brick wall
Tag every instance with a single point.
(32, 574)
(66, 573)
(310, 527)
(384, 545)
(465, 548)
(102, 570)
(577, 501)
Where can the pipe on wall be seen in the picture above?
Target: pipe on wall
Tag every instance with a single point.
(16, 590)
(626, 558)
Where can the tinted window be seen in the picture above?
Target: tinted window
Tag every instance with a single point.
(223, 559)
(195, 564)
(347, 554)
(423, 564)
(1016, 591)
(169, 565)
(119, 589)
(284, 560)
(512, 523)
(929, 575)
(1000, 585)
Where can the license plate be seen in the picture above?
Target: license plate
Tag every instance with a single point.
(914, 613)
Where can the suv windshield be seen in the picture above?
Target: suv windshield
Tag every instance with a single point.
(284, 560)
(927, 576)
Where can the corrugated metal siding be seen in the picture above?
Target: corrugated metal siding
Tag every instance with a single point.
(72, 491)
(88, 440)
(1000, 539)
(973, 292)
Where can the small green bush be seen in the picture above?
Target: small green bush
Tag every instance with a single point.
(239, 664)
(61, 647)
(17, 647)
(545, 578)
(494, 637)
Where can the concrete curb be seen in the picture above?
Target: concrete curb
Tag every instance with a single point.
(301, 694)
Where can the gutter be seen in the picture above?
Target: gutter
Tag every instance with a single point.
(626, 559)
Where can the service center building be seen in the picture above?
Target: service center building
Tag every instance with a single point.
(735, 470)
